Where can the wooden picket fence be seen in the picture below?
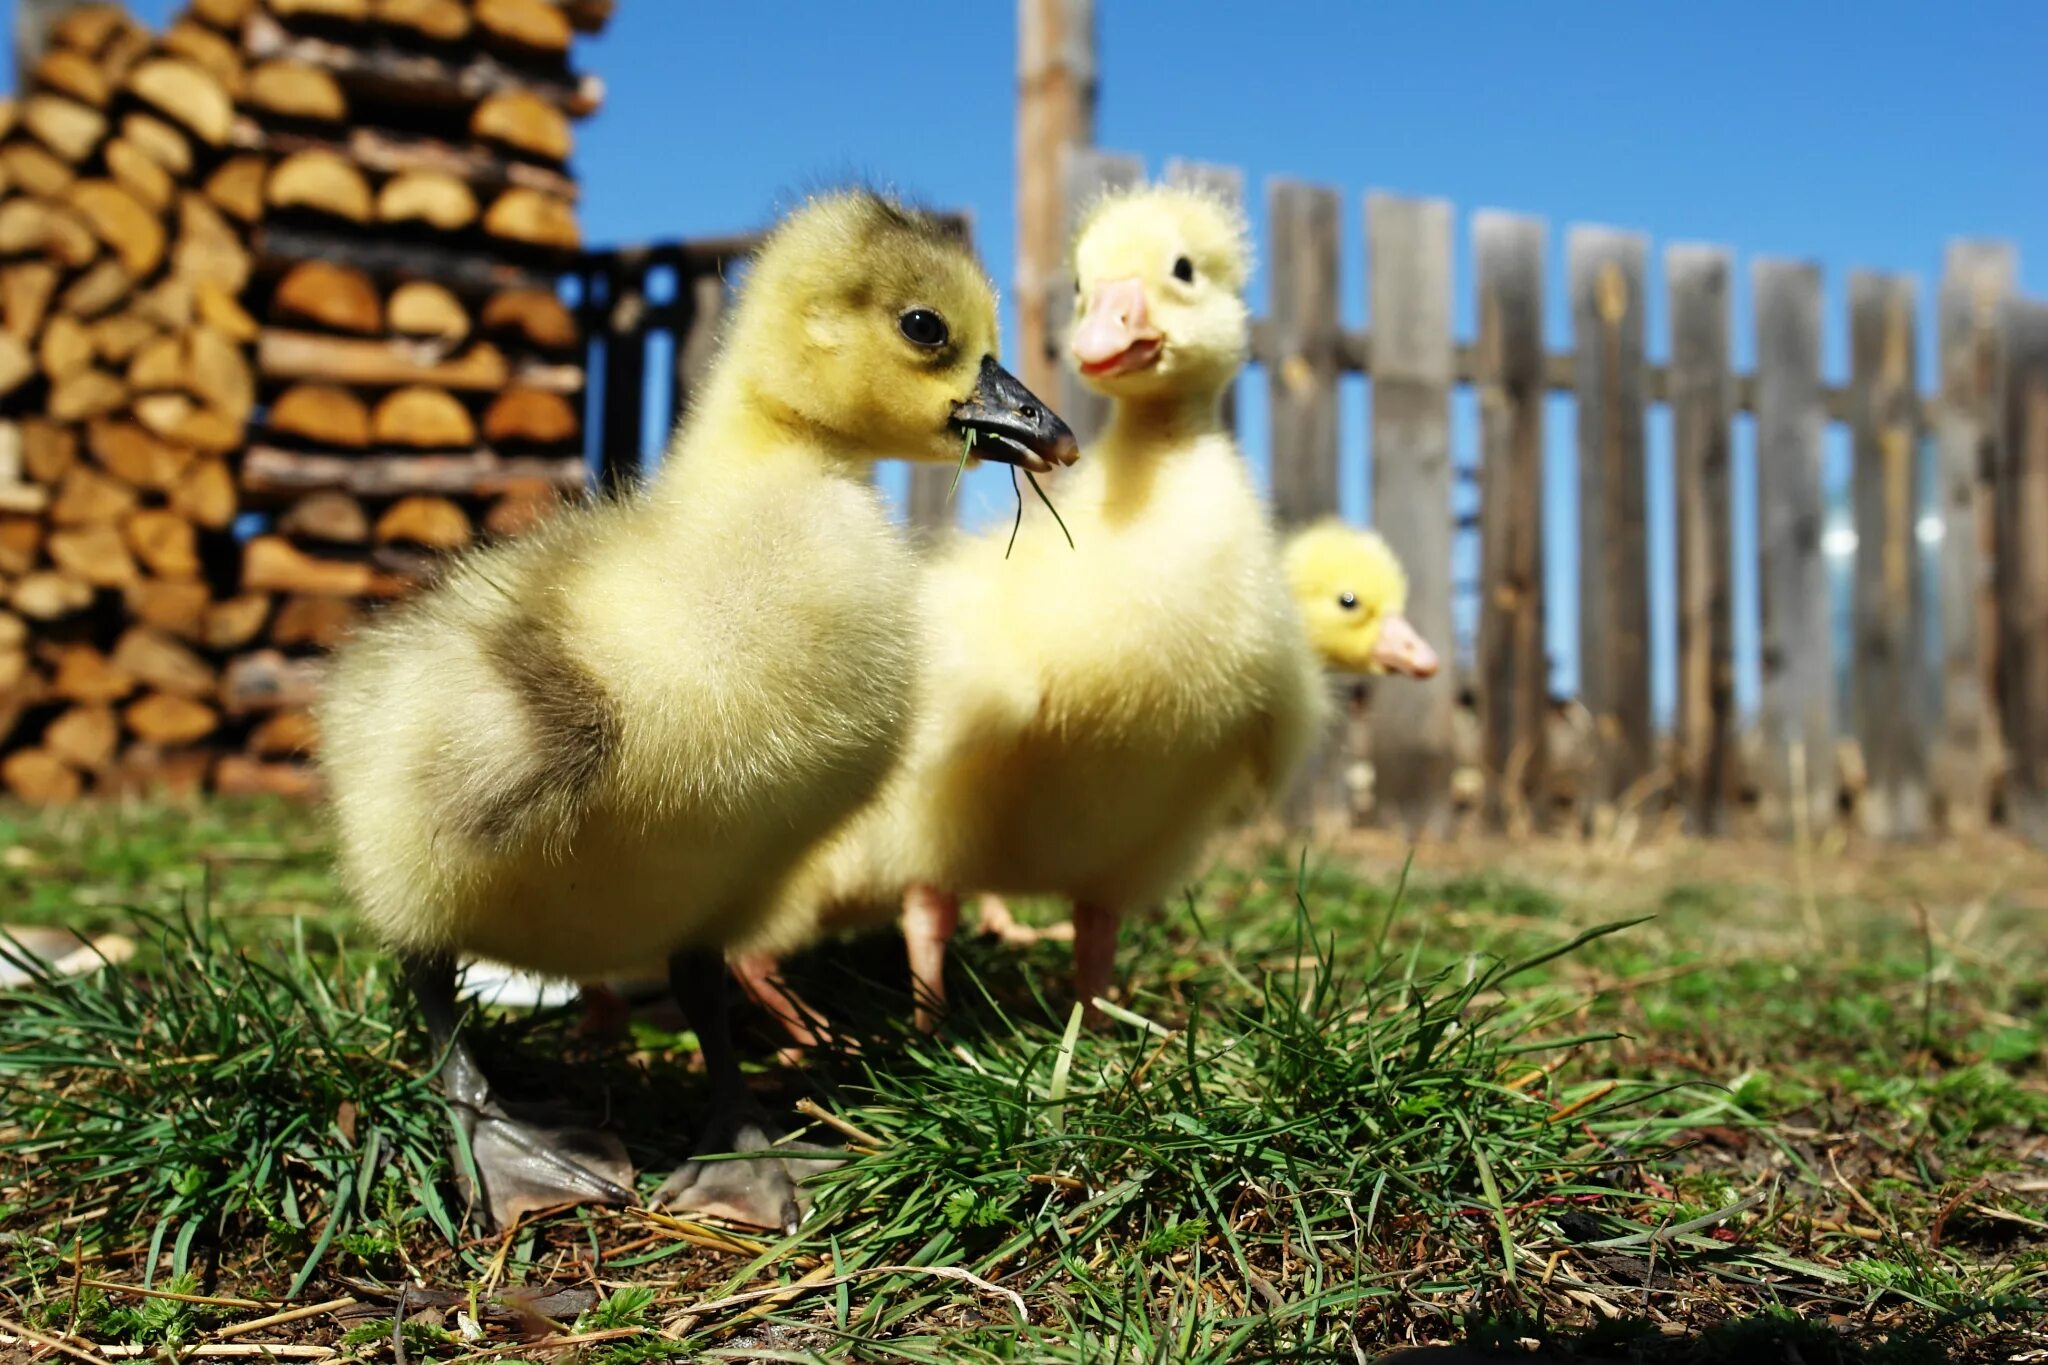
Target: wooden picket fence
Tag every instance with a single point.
(1950, 748)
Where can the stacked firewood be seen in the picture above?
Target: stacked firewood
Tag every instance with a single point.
(279, 326)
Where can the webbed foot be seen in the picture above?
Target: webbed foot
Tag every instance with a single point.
(526, 1167)
(763, 1191)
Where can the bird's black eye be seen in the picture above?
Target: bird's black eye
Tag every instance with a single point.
(1348, 601)
(923, 326)
(1184, 270)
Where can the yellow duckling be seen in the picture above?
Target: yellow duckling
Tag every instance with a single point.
(1142, 684)
(602, 746)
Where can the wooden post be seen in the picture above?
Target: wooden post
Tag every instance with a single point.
(1701, 405)
(1514, 673)
(1614, 594)
(700, 302)
(625, 370)
(1055, 111)
(2022, 502)
(1227, 184)
(1798, 674)
(1890, 694)
(1301, 374)
(1976, 280)
(1408, 278)
(1089, 175)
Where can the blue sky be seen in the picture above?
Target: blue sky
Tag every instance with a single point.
(1860, 135)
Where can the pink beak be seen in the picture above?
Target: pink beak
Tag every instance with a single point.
(1115, 334)
(1401, 650)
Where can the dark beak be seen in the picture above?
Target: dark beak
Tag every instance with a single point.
(1010, 425)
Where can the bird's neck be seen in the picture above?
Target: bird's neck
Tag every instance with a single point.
(736, 424)
(1140, 428)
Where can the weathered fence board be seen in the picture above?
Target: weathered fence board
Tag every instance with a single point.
(1301, 374)
(1606, 269)
(1798, 678)
(1888, 654)
(1089, 174)
(2022, 503)
(1701, 410)
(1408, 277)
(1227, 184)
(1513, 677)
(1976, 280)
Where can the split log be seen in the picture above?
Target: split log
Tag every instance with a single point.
(206, 495)
(25, 292)
(335, 518)
(16, 701)
(355, 11)
(40, 778)
(432, 197)
(85, 496)
(178, 607)
(531, 417)
(163, 413)
(68, 71)
(391, 153)
(15, 365)
(83, 674)
(20, 539)
(156, 660)
(146, 769)
(157, 365)
(220, 310)
(167, 718)
(188, 94)
(321, 413)
(295, 90)
(332, 295)
(288, 734)
(429, 522)
(13, 631)
(159, 141)
(421, 308)
(135, 454)
(65, 348)
(165, 542)
(47, 449)
(133, 232)
(223, 14)
(417, 79)
(440, 21)
(537, 316)
(29, 226)
(32, 169)
(531, 25)
(270, 472)
(14, 672)
(421, 417)
(208, 248)
(207, 431)
(589, 16)
(232, 623)
(90, 29)
(92, 554)
(525, 123)
(97, 290)
(88, 393)
(237, 775)
(47, 595)
(217, 374)
(236, 187)
(320, 182)
(210, 52)
(318, 622)
(72, 130)
(116, 339)
(283, 354)
(84, 737)
(533, 219)
(267, 681)
(283, 245)
(274, 564)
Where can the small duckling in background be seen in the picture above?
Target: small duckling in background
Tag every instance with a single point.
(601, 746)
(1142, 685)
(1352, 594)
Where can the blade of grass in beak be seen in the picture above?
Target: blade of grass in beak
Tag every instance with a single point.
(966, 452)
(1050, 508)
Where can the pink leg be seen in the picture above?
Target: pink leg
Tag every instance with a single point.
(605, 1012)
(759, 978)
(993, 915)
(929, 918)
(1094, 957)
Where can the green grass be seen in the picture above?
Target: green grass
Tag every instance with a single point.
(1333, 1115)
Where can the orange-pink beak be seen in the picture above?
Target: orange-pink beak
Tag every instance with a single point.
(1115, 335)
(1401, 649)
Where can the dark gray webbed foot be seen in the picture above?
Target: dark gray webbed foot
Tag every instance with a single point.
(526, 1167)
(763, 1191)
